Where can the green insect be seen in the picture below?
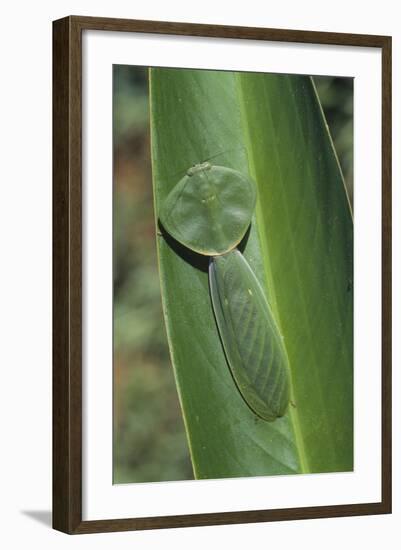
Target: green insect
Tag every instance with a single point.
(209, 211)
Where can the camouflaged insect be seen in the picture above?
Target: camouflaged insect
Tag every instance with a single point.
(209, 211)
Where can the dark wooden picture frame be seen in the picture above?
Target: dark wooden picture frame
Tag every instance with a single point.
(67, 274)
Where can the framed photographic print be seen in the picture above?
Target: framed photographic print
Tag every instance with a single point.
(222, 270)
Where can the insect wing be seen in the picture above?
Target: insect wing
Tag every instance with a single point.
(251, 339)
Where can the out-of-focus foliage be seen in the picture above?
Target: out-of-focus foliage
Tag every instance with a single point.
(149, 436)
(337, 97)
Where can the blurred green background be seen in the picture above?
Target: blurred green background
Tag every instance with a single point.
(149, 435)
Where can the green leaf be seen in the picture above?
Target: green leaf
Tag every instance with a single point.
(300, 248)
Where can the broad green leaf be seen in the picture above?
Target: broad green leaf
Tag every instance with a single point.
(306, 229)
(300, 248)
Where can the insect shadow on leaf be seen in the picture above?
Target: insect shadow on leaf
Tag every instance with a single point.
(198, 261)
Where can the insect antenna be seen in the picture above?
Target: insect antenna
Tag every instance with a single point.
(182, 171)
(224, 152)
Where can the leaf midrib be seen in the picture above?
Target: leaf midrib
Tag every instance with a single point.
(268, 275)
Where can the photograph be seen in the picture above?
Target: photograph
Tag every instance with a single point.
(233, 298)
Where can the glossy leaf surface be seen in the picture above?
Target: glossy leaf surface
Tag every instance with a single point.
(269, 128)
